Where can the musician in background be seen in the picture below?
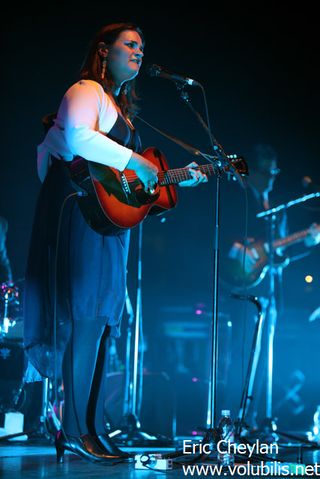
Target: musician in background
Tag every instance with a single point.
(243, 228)
(244, 233)
(75, 286)
(5, 268)
(263, 167)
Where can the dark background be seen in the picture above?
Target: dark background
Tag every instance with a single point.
(259, 68)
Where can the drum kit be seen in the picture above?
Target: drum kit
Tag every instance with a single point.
(11, 342)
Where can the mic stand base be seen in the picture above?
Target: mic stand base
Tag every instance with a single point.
(130, 434)
(267, 433)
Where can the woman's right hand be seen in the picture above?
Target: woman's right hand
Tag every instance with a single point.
(146, 171)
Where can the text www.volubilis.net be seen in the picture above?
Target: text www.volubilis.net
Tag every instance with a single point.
(255, 470)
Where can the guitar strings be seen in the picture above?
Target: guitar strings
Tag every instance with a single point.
(178, 173)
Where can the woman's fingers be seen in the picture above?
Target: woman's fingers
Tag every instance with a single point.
(197, 175)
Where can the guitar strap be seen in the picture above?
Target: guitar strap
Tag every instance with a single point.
(191, 149)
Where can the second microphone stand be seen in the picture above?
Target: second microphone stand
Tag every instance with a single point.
(269, 427)
(130, 432)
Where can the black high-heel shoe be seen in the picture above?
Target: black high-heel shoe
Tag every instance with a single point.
(84, 446)
(106, 443)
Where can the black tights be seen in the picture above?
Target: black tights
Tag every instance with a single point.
(84, 375)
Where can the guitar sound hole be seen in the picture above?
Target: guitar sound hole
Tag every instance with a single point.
(145, 198)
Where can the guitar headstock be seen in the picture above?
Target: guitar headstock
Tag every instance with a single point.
(239, 164)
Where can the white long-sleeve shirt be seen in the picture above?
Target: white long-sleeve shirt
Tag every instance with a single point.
(85, 115)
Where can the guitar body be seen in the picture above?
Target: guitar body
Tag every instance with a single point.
(115, 201)
(249, 273)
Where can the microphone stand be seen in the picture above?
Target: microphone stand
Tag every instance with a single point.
(272, 314)
(247, 393)
(130, 431)
(221, 160)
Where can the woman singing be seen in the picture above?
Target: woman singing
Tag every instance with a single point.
(76, 277)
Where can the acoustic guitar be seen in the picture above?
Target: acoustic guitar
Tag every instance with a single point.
(113, 201)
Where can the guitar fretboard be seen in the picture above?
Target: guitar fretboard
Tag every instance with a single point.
(171, 177)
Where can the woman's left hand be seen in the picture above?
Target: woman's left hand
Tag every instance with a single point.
(197, 176)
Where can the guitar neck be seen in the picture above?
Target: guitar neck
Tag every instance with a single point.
(174, 176)
(291, 239)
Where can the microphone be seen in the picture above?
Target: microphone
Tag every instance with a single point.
(308, 182)
(158, 71)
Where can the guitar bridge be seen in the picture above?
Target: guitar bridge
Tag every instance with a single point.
(125, 185)
(135, 195)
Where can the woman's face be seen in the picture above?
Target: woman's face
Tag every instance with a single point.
(125, 56)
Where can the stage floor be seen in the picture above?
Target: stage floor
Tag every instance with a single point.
(37, 459)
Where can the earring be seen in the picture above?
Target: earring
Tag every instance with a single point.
(125, 90)
(103, 68)
(102, 51)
